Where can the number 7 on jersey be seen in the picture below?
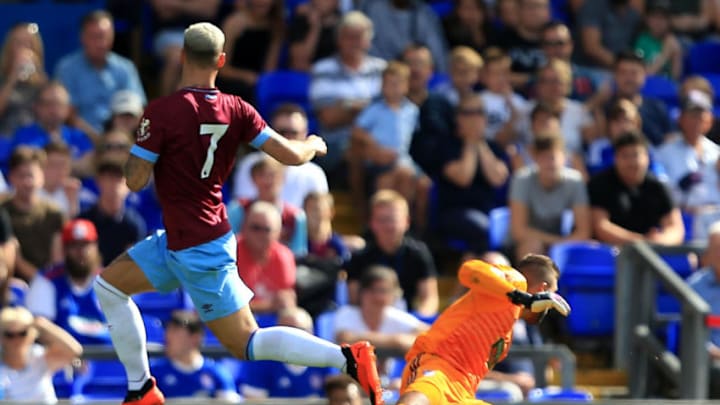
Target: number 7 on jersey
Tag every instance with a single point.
(216, 131)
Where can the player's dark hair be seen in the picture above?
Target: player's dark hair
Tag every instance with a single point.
(548, 141)
(338, 382)
(630, 57)
(288, 109)
(95, 16)
(538, 268)
(630, 138)
(58, 146)
(376, 273)
(23, 155)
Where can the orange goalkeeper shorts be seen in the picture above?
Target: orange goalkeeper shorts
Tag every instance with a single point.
(439, 381)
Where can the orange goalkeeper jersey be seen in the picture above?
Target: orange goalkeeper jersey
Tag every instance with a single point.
(474, 333)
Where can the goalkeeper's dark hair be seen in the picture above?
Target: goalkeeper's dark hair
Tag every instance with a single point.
(538, 268)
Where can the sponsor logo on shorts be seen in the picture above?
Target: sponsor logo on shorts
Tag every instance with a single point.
(207, 308)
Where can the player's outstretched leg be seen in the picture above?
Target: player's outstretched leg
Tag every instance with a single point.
(239, 333)
(113, 288)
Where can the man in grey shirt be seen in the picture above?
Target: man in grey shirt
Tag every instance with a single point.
(541, 194)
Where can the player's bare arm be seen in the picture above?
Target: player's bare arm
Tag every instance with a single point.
(291, 152)
(137, 172)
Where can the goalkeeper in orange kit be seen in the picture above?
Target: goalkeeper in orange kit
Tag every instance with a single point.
(446, 363)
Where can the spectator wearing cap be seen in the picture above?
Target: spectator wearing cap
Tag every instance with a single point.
(184, 371)
(26, 366)
(35, 221)
(691, 162)
(126, 108)
(52, 110)
(64, 294)
(118, 226)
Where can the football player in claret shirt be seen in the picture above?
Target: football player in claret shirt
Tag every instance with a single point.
(446, 363)
(188, 141)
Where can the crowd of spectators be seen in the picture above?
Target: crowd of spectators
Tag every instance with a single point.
(435, 113)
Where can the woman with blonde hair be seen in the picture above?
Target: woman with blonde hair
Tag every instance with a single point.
(26, 368)
(22, 72)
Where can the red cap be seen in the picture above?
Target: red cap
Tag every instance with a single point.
(79, 230)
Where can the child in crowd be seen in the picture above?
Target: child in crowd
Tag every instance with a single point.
(383, 133)
(504, 108)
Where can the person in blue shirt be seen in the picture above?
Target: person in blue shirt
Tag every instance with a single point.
(706, 282)
(52, 110)
(184, 372)
(94, 73)
(64, 293)
(271, 379)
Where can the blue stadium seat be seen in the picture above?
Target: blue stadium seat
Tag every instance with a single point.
(104, 379)
(688, 220)
(160, 305)
(64, 383)
(703, 57)
(210, 339)
(557, 394)
(438, 79)
(499, 228)
(442, 7)
(681, 263)
(154, 329)
(663, 88)
(283, 86)
(587, 281)
(714, 79)
(325, 326)
(266, 320)
(494, 396)
(342, 295)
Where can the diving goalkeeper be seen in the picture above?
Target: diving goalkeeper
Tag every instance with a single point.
(446, 363)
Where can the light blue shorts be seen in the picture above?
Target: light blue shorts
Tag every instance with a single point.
(208, 272)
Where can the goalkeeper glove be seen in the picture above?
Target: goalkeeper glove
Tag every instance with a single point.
(540, 302)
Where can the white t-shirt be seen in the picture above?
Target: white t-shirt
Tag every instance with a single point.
(299, 181)
(31, 384)
(573, 119)
(498, 112)
(348, 318)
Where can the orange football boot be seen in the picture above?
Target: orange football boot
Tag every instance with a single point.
(361, 365)
(149, 395)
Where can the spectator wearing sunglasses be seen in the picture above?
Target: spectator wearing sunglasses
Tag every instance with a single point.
(557, 43)
(184, 371)
(265, 265)
(26, 367)
(290, 121)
